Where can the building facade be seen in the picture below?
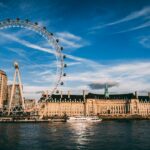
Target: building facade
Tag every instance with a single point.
(95, 104)
(3, 88)
(30, 105)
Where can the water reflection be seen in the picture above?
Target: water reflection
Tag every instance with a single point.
(81, 132)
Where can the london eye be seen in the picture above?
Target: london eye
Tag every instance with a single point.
(51, 40)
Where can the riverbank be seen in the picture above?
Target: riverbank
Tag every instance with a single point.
(22, 119)
(8, 119)
(125, 117)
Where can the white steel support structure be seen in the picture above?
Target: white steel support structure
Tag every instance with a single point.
(17, 74)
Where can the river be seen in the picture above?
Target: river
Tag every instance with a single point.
(107, 135)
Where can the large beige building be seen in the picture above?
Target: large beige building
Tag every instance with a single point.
(97, 104)
(3, 88)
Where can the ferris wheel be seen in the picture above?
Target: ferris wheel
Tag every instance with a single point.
(49, 37)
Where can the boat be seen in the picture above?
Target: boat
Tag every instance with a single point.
(84, 119)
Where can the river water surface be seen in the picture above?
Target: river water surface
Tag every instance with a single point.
(107, 135)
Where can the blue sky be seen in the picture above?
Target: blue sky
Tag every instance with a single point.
(106, 41)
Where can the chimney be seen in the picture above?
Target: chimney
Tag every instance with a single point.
(46, 93)
(136, 95)
(83, 95)
(68, 94)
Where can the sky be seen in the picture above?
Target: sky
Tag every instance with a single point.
(106, 41)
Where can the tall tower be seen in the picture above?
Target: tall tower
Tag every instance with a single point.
(3, 87)
(106, 91)
(16, 88)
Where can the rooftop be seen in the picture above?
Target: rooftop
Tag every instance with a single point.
(66, 97)
(144, 98)
(111, 96)
(2, 72)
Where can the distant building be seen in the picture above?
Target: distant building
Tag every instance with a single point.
(30, 104)
(3, 88)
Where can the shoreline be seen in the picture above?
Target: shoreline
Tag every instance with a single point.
(104, 118)
(127, 117)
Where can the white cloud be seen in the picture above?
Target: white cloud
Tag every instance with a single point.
(68, 35)
(145, 41)
(26, 43)
(18, 51)
(134, 15)
(36, 47)
(69, 40)
(32, 91)
(130, 76)
(145, 25)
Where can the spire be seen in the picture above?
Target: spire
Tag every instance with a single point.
(106, 93)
